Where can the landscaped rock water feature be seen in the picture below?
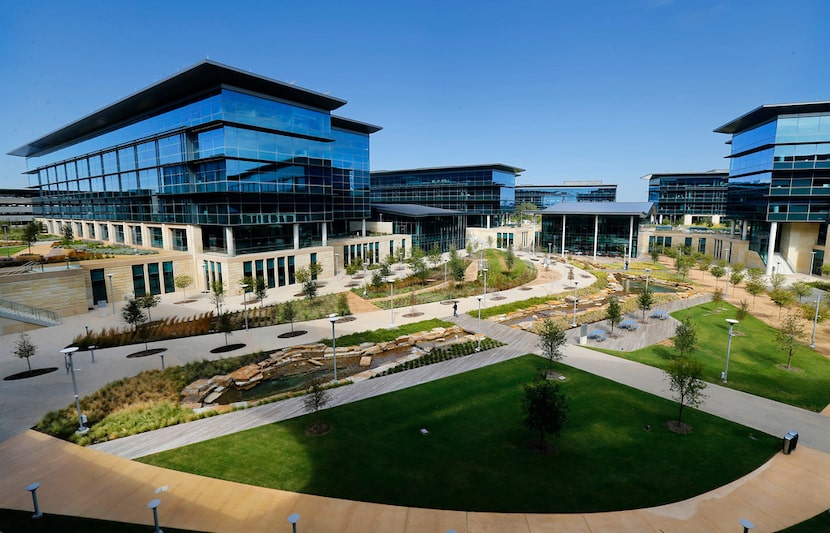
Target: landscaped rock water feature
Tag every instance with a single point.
(294, 363)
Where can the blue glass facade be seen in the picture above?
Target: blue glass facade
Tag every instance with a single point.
(678, 194)
(477, 191)
(779, 170)
(543, 196)
(246, 158)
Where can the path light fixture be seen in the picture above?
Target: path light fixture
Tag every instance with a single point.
(648, 275)
(485, 284)
(154, 504)
(391, 281)
(333, 320)
(245, 303)
(70, 367)
(552, 277)
(815, 322)
(732, 323)
(812, 261)
(293, 519)
(92, 352)
(478, 348)
(365, 278)
(112, 293)
(576, 288)
(33, 489)
(746, 524)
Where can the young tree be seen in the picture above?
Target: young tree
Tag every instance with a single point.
(755, 286)
(645, 301)
(614, 313)
(704, 262)
(419, 265)
(315, 270)
(551, 340)
(377, 280)
(545, 408)
(217, 296)
(718, 270)
(685, 378)
(685, 337)
(456, 266)
(782, 298)
(148, 301)
(67, 235)
(777, 280)
(226, 324)
(434, 255)
(684, 263)
(316, 398)
(825, 269)
(309, 285)
(31, 232)
(655, 255)
(24, 349)
(182, 282)
(509, 258)
(789, 336)
(289, 312)
(133, 314)
(260, 290)
(801, 289)
(736, 276)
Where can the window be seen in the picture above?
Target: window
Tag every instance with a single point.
(701, 245)
(269, 270)
(247, 269)
(179, 239)
(155, 238)
(291, 278)
(139, 288)
(155, 280)
(169, 279)
(119, 233)
(281, 271)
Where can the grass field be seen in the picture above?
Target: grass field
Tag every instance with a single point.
(756, 364)
(615, 451)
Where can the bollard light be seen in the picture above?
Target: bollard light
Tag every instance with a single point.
(293, 519)
(70, 367)
(732, 323)
(154, 504)
(245, 303)
(92, 352)
(33, 489)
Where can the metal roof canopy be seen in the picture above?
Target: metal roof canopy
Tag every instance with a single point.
(414, 210)
(492, 166)
(641, 209)
(184, 86)
(765, 113)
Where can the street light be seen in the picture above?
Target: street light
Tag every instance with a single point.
(92, 352)
(478, 348)
(333, 319)
(732, 323)
(6, 235)
(485, 284)
(552, 277)
(815, 322)
(335, 264)
(576, 286)
(365, 278)
(293, 519)
(245, 303)
(67, 357)
(112, 294)
(391, 281)
(648, 275)
(812, 259)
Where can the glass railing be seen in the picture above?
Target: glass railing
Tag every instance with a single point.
(27, 311)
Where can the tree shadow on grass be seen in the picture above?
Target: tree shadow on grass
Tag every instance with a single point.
(146, 353)
(30, 373)
(228, 348)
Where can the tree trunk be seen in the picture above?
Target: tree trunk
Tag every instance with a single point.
(680, 413)
(30, 365)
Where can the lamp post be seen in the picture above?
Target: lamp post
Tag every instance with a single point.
(67, 357)
(6, 235)
(732, 323)
(153, 505)
(576, 287)
(365, 278)
(92, 352)
(648, 275)
(391, 301)
(245, 303)
(550, 250)
(335, 264)
(552, 277)
(112, 294)
(815, 322)
(87, 330)
(293, 519)
(478, 348)
(485, 285)
(333, 320)
(812, 260)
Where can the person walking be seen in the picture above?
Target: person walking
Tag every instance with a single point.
(455, 309)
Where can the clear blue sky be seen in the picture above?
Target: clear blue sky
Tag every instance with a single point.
(570, 90)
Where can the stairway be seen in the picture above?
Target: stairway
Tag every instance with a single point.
(27, 313)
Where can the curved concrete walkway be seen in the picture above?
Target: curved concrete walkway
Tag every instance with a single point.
(86, 482)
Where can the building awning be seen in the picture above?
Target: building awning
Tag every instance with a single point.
(641, 209)
(414, 210)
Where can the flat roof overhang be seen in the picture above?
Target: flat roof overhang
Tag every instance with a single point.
(193, 82)
(765, 113)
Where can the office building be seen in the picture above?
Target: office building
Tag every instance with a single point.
(688, 197)
(544, 196)
(779, 183)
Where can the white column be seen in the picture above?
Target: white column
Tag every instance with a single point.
(630, 237)
(773, 233)
(325, 233)
(296, 236)
(596, 235)
(363, 227)
(743, 230)
(230, 245)
(488, 221)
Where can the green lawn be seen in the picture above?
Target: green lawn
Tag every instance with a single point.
(478, 455)
(386, 335)
(756, 364)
